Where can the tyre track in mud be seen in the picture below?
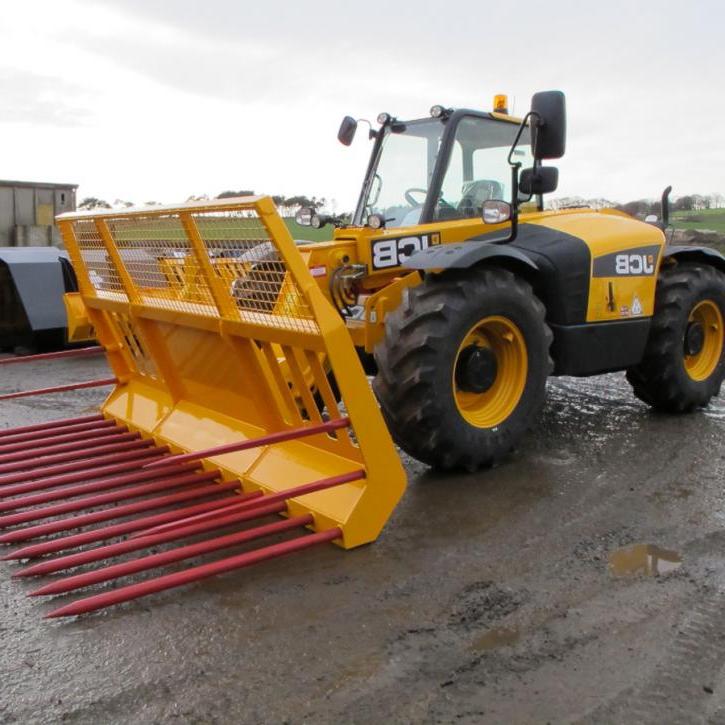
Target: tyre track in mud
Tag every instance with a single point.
(595, 502)
(681, 687)
(456, 672)
(401, 630)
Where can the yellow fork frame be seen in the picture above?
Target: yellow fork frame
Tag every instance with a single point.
(197, 375)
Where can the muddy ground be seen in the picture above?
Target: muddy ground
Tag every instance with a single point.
(488, 599)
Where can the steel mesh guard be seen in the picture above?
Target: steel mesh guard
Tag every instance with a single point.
(101, 272)
(235, 259)
(246, 260)
(218, 335)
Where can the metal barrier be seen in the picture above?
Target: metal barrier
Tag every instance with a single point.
(217, 334)
(237, 396)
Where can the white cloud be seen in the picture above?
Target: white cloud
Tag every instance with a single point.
(156, 100)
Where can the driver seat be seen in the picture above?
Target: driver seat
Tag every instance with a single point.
(475, 193)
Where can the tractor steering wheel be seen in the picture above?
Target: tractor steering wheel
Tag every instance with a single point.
(409, 196)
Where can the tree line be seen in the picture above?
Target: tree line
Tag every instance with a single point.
(689, 202)
(644, 207)
(639, 207)
(288, 203)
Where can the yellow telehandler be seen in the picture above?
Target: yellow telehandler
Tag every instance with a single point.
(469, 293)
(238, 357)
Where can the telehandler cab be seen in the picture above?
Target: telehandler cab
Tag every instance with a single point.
(469, 293)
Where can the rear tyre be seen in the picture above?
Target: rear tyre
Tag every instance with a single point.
(684, 362)
(462, 369)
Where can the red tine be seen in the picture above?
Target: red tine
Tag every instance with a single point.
(152, 561)
(320, 485)
(104, 533)
(126, 442)
(139, 475)
(116, 512)
(29, 441)
(177, 579)
(70, 561)
(285, 435)
(52, 425)
(106, 484)
(78, 352)
(83, 470)
(60, 388)
(89, 502)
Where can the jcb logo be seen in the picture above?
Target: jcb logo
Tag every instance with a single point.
(635, 264)
(393, 252)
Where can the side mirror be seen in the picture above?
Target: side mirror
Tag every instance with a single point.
(304, 216)
(651, 219)
(320, 220)
(347, 130)
(496, 212)
(539, 180)
(548, 125)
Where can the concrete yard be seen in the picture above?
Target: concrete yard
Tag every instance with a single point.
(488, 599)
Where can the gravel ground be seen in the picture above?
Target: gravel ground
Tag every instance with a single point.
(488, 599)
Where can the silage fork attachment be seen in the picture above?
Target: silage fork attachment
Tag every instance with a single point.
(227, 360)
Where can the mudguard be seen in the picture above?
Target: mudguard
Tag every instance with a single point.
(695, 254)
(464, 255)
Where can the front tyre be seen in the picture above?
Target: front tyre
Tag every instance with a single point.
(684, 362)
(462, 369)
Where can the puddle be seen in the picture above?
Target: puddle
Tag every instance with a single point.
(667, 495)
(645, 559)
(494, 638)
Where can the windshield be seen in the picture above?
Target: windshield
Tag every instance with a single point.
(477, 171)
(478, 168)
(405, 165)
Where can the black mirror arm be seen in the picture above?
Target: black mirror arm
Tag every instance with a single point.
(522, 126)
(515, 166)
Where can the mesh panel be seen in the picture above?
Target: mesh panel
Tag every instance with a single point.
(101, 272)
(166, 273)
(248, 263)
(161, 263)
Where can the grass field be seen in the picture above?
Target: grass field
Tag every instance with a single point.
(308, 233)
(712, 219)
(699, 223)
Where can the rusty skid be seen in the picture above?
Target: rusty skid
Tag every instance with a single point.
(238, 398)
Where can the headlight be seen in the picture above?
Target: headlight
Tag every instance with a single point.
(496, 212)
(376, 221)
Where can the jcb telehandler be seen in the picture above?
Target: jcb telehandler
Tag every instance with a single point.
(469, 294)
(238, 394)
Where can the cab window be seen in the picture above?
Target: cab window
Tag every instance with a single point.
(478, 168)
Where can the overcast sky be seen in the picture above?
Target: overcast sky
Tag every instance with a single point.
(157, 100)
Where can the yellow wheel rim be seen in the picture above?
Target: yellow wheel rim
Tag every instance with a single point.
(506, 342)
(702, 365)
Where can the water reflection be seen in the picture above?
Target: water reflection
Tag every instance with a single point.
(494, 638)
(646, 559)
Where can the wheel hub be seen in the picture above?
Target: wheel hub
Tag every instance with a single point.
(476, 370)
(694, 338)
